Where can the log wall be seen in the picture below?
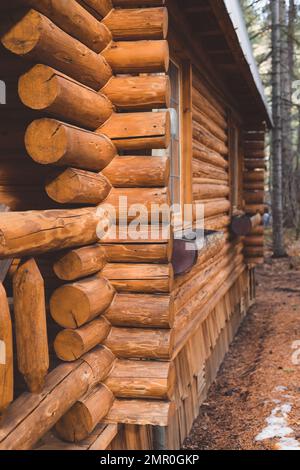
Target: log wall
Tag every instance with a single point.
(91, 91)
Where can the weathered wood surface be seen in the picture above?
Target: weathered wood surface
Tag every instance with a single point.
(80, 262)
(35, 37)
(142, 412)
(30, 325)
(6, 354)
(32, 415)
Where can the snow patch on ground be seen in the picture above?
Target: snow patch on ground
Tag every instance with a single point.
(278, 426)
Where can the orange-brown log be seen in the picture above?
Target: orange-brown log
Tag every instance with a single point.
(219, 222)
(80, 421)
(137, 131)
(75, 20)
(49, 141)
(255, 164)
(200, 118)
(141, 310)
(251, 176)
(209, 190)
(254, 251)
(202, 103)
(259, 230)
(36, 232)
(139, 93)
(29, 419)
(213, 207)
(254, 261)
(43, 88)
(254, 186)
(255, 208)
(142, 379)
(139, 253)
(201, 152)
(204, 137)
(74, 186)
(30, 324)
(80, 262)
(6, 354)
(73, 305)
(141, 412)
(141, 343)
(148, 234)
(70, 345)
(138, 171)
(148, 278)
(206, 170)
(254, 240)
(138, 56)
(98, 8)
(254, 197)
(140, 23)
(35, 37)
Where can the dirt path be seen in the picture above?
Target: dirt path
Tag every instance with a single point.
(255, 402)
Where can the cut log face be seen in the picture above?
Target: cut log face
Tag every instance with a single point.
(76, 186)
(149, 23)
(73, 305)
(53, 142)
(85, 414)
(6, 354)
(138, 56)
(35, 37)
(80, 263)
(43, 88)
(31, 327)
(70, 345)
(99, 8)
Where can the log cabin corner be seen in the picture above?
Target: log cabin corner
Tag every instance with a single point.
(113, 343)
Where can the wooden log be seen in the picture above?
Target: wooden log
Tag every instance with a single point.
(99, 8)
(73, 305)
(253, 209)
(135, 3)
(29, 419)
(138, 56)
(254, 135)
(74, 186)
(80, 262)
(147, 278)
(213, 207)
(75, 20)
(36, 232)
(140, 343)
(244, 224)
(254, 197)
(259, 230)
(147, 234)
(49, 141)
(139, 171)
(206, 170)
(201, 135)
(45, 89)
(254, 186)
(139, 253)
(6, 354)
(219, 222)
(35, 37)
(254, 176)
(80, 421)
(138, 131)
(213, 191)
(258, 154)
(142, 379)
(252, 145)
(254, 261)
(254, 164)
(200, 152)
(254, 240)
(30, 324)
(70, 345)
(202, 103)
(207, 123)
(141, 310)
(141, 412)
(254, 251)
(138, 93)
(138, 24)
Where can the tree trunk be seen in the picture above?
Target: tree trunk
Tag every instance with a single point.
(278, 239)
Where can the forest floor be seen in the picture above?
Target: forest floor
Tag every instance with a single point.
(254, 403)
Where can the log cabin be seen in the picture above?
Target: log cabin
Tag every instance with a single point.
(112, 342)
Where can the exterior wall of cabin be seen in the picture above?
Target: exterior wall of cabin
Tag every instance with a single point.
(154, 341)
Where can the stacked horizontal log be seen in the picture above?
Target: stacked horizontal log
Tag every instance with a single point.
(210, 157)
(254, 193)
